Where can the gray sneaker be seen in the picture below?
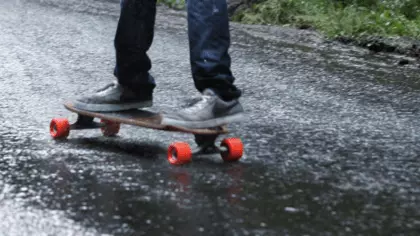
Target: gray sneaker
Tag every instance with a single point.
(114, 97)
(210, 111)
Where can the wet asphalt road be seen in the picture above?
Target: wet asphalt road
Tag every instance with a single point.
(331, 143)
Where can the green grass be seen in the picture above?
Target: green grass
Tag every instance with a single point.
(349, 18)
(177, 4)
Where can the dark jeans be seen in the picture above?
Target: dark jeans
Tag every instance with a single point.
(209, 41)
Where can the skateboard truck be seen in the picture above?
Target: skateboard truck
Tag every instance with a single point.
(85, 122)
(231, 149)
(206, 144)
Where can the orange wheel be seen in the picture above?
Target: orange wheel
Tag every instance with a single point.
(59, 128)
(179, 153)
(235, 149)
(111, 128)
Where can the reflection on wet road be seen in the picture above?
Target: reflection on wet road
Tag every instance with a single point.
(331, 143)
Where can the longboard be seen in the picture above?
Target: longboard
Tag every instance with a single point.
(231, 149)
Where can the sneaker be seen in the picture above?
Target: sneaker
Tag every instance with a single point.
(114, 97)
(210, 111)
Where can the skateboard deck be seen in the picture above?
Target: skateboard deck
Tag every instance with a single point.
(145, 119)
(231, 149)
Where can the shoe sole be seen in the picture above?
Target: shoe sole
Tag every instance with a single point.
(112, 107)
(204, 124)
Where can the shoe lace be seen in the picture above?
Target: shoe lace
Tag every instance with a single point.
(199, 105)
(106, 87)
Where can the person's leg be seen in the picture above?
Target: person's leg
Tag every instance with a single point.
(209, 41)
(133, 38)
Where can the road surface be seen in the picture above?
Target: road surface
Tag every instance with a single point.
(331, 143)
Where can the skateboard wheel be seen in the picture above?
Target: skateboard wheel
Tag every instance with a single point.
(179, 153)
(59, 128)
(111, 128)
(234, 149)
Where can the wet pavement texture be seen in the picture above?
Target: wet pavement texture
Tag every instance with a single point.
(331, 143)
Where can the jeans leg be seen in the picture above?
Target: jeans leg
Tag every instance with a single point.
(209, 41)
(133, 39)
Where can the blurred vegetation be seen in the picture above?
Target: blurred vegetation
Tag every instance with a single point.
(335, 18)
(177, 4)
(350, 18)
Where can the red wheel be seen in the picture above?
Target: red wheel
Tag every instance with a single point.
(235, 149)
(111, 128)
(59, 128)
(179, 153)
